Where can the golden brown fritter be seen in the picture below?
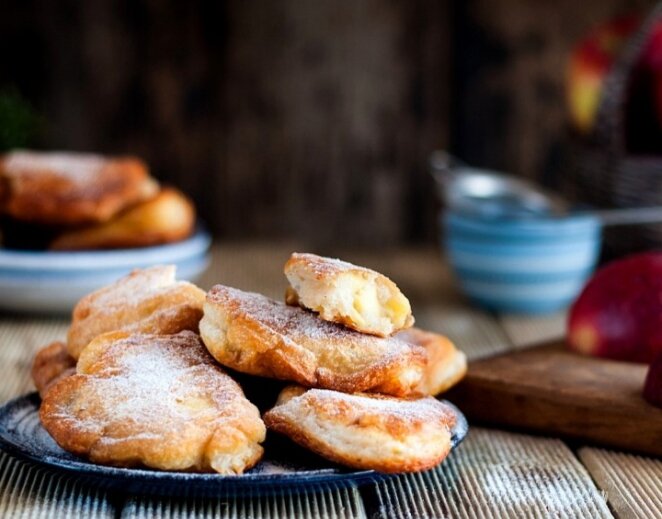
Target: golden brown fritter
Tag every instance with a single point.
(340, 292)
(146, 301)
(166, 218)
(51, 363)
(253, 334)
(71, 188)
(446, 364)
(154, 400)
(365, 431)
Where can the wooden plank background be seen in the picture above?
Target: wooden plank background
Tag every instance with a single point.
(299, 119)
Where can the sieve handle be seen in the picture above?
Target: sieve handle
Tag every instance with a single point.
(631, 216)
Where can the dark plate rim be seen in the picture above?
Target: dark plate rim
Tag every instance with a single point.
(131, 476)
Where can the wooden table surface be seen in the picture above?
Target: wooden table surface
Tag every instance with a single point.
(494, 473)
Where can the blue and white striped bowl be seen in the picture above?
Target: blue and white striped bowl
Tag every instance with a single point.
(522, 266)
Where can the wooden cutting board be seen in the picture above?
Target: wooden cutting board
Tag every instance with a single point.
(551, 390)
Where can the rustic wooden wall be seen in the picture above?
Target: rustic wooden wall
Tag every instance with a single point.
(298, 118)
(332, 109)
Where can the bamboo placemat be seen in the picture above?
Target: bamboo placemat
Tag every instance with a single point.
(475, 332)
(30, 491)
(526, 331)
(633, 484)
(327, 502)
(20, 338)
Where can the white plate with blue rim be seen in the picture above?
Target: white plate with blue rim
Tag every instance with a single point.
(52, 282)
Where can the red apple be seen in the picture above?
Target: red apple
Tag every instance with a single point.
(590, 61)
(653, 384)
(618, 315)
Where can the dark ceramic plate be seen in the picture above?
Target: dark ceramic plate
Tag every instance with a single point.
(284, 466)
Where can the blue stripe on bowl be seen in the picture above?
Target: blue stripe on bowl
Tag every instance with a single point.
(523, 298)
(20, 278)
(575, 228)
(527, 307)
(580, 259)
(521, 249)
(71, 262)
(524, 291)
(51, 293)
(526, 278)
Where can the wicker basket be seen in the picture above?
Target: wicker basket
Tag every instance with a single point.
(602, 172)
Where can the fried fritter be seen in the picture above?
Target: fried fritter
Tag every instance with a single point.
(51, 363)
(446, 364)
(71, 188)
(365, 431)
(340, 292)
(154, 400)
(168, 217)
(146, 301)
(254, 334)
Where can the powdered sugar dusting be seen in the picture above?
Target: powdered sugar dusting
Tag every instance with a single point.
(131, 289)
(320, 265)
(152, 380)
(293, 321)
(426, 409)
(151, 383)
(148, 300)
(73, 166)
(314, 352)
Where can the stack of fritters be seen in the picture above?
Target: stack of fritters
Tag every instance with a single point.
(344, 337)
(77, 201)
(146, 389)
